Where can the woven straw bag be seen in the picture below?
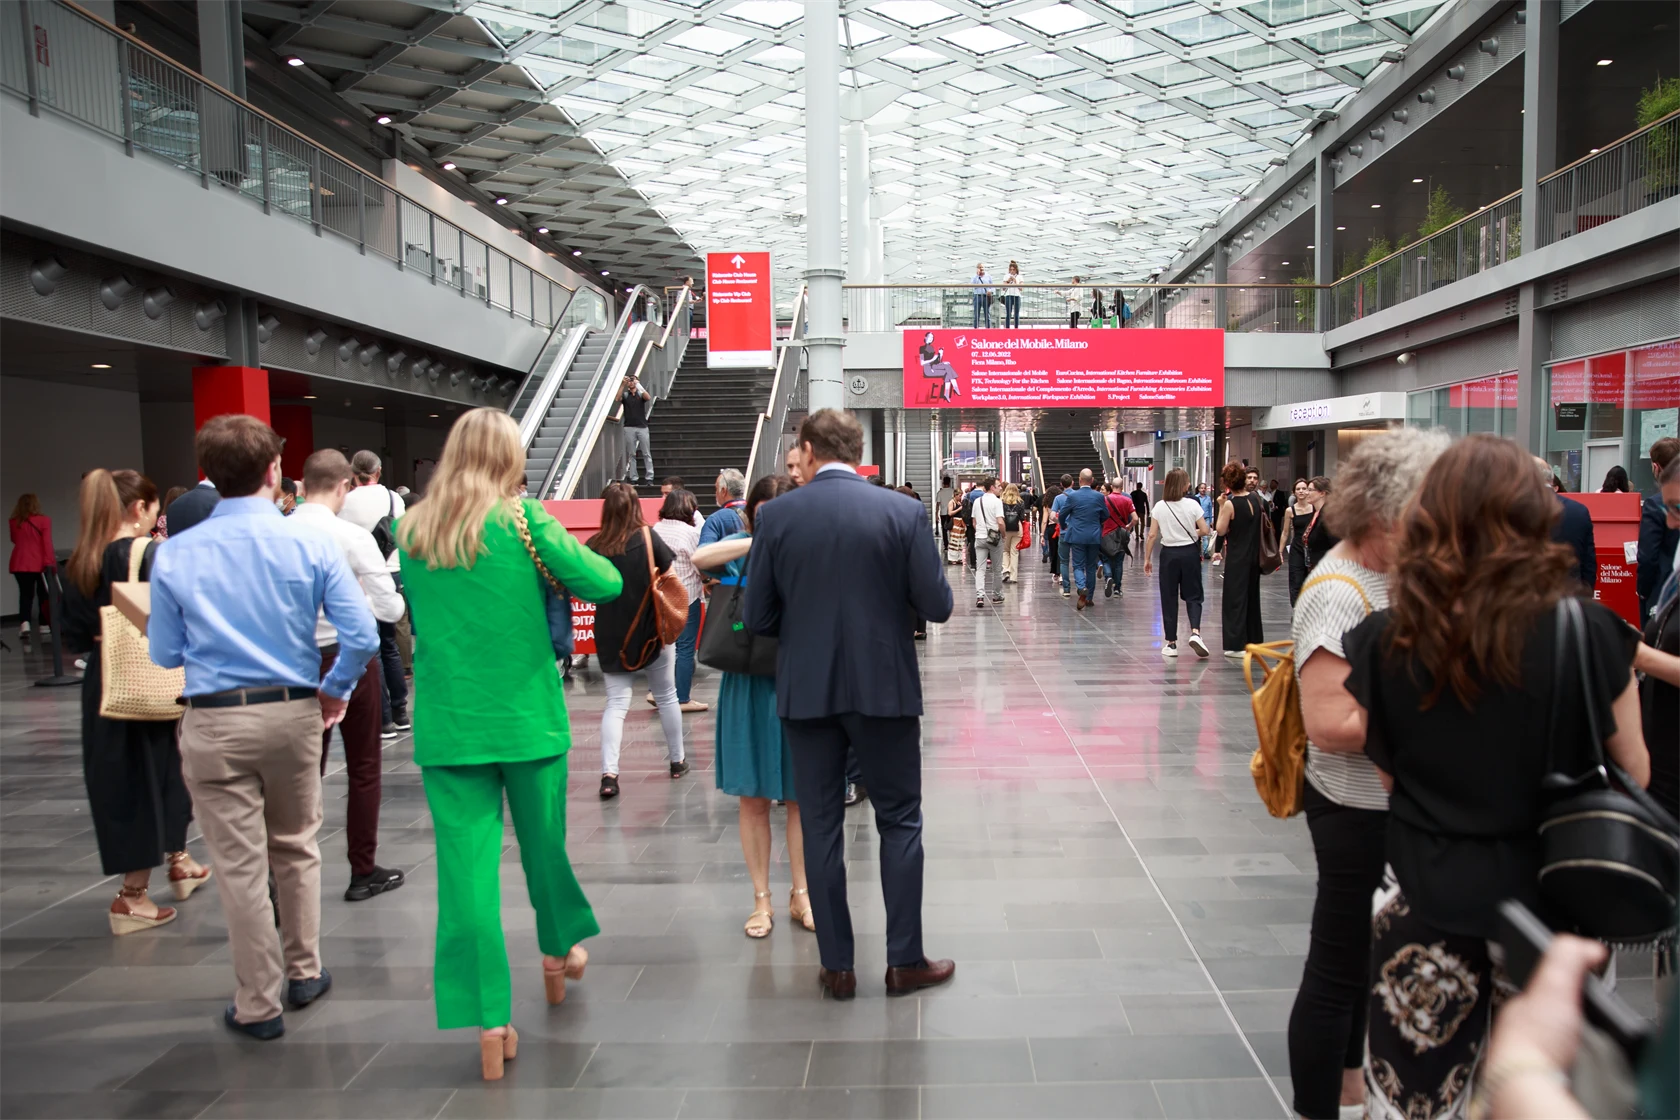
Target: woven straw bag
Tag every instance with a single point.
(135, 686)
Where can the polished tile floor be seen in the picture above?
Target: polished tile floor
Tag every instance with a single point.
(1128, 922)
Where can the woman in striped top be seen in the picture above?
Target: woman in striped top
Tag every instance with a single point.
(1344, 798)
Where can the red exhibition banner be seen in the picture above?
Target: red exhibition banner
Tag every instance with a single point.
(1064, 368)
(740, 314)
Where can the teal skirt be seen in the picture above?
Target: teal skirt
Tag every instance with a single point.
(752, 757)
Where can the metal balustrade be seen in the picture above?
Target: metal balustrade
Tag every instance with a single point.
(1637, 171)
(1489, 237)
(63, 60)
(1247, 308)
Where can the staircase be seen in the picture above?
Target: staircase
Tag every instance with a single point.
(706, 424)
(1065, 451)
(539, 456)
(917, 468)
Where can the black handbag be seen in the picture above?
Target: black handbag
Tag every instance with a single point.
(1609, 853)
(725, 642)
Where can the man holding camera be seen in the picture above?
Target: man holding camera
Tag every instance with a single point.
(633, 400)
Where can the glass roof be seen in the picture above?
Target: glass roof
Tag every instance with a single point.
(1089, 136)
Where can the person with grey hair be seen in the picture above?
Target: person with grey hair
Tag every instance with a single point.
(1575, 529)
(372, 507)
(730, 489)
(1345, 801)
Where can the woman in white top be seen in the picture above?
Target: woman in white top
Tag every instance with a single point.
(1012, 297)
(1075, 297)
(1176, 521)
(1344, 798)
(676, 528)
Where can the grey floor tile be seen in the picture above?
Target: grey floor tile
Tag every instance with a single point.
(1255, 973)
(84, 1064)
(306, 1104)
(800, 1104)
(705, 1065)
(241, 1064)
(118, 1105)
(1038, 1016)
(502, 1103)
(1065, 1102)
(926, 1062)
(1219, 1099)
(541, 1063)
(1140, 1057)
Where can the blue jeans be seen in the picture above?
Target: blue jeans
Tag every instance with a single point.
(982, 310)
(1011, 312)
(1085, 558)
(1116, 566)
(685, 652)
(1064, 553)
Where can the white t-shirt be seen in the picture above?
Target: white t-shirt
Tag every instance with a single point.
(1177, 521)
(988, 508)
(365, 505)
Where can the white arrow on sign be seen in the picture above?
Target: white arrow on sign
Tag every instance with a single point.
(737, 260)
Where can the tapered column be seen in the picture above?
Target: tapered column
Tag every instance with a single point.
(823, 273)
(1539, 157)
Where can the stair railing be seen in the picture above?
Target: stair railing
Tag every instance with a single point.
(559, 361)
(569, 456)
(767, 431)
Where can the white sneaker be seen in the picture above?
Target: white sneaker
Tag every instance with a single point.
(1198, 645)
(1170, 650)
(1234, 654)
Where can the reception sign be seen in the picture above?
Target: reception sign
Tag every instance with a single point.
(1064, 368)
(740, 315)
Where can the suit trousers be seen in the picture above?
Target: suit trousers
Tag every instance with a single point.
(471, 982)
(360, 732)
(254, 775)
(1084, 558)
(889, 753)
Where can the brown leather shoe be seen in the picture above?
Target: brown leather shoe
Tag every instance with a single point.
(838, 984)
(903, 981)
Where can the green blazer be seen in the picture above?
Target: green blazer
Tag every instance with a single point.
(485, 684)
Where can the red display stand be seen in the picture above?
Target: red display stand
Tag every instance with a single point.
(581, 517)
(1615, 520)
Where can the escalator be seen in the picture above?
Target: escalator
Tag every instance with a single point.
(548, 432)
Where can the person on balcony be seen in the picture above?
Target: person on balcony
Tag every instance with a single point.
(982, 297)
(1012, 298)
(1074, 295)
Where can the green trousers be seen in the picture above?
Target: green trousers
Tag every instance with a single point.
(470, 971)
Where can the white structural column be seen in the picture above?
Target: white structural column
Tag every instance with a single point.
(859, 266)
(1539, 157)
(1324, 236)
(822, 204)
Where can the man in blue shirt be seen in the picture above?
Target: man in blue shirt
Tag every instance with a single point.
(1082, 518)
(731, 493)
(1061, 543)
(235, 601)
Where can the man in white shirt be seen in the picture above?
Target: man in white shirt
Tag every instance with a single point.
(325, 483)
(367, 507)
(988, 542)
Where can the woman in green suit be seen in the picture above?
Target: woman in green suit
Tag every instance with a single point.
(490, 717)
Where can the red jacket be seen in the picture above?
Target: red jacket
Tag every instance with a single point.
(32, 547)
(1120, 511)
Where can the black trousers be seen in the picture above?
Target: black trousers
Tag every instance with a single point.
(1181, 578)
(1327, 1026)
(393, 686)
(1240, 610)
(32, 589)
(889, 754)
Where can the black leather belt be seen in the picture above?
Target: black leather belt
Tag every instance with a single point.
(244, 697)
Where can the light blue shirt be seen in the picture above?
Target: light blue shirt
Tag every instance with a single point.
(982, 284)
(1206, 502)
(236, 600)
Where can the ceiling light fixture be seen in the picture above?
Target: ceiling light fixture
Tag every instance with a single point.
(379, 408)
(448, 165)
(501, 202)
(294, 61)
(432, 415)
(1340, 228)
(384, 120)
(1417, 180)
(1376, 206)
(309, 396)
(577, 252)
(606, 272)
(542, 229)
(1605, 61)
(101, 365)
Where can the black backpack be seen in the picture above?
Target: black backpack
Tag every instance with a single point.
(1012, 517)
(385, 529)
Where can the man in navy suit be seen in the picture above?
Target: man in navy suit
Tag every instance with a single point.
(1575, 529)
(841, 570)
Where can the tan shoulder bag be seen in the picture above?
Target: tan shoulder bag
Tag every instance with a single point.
(134, 686)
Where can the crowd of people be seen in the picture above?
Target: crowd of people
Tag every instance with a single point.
(986, 293)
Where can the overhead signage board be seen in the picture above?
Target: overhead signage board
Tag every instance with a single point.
(1064, 368)
(1333, 412)
(1139, 461)
(740, 315)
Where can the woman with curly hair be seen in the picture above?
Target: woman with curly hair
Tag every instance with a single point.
(1457, 706)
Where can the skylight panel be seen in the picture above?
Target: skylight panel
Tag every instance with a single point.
(769, 13)
(714, 41)
(981, 40)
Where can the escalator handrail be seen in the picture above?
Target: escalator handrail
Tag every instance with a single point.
(777, 407)
(536, 362)
(583, 408)
(531, 423)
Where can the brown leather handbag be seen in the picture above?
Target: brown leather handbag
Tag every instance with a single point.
(667, 598)
(1271, 557)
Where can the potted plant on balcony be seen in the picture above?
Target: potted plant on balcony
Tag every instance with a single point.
(1662, 145)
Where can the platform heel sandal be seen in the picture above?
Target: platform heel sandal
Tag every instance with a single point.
(554, 979)
(495, 1049)
(125, 921)
(182, 881)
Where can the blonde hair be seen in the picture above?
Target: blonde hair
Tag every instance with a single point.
(1012, 495)
(479, 474)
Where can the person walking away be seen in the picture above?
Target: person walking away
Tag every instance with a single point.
(1316, 539)
(1657, 539)
(1574, 528)
(1012, 297)
(1099, 313)
(676, 528)
(1239, 524)
(1177, 522)
(941, 502)
(137, 799)
(675, 482)
(1061, 565)
(477, 562)
(846, 676)
(1140, 505)
(982, 299)
(971, 537)
(1280, 500)
(32, 555)
(1295, 521)
(235, 601)
(192, 507)
(327, 480)
(1457, 701)
(1015, 515)
(1082, 518)
(372, 506)
(633, 401)
(161, 530)
(730, 492)
(1204, 498)
(987, 519)
(753, 761)
(1074, 296)
(1346, 805)
(1118, 514)
(1615, 481)
(626, 627)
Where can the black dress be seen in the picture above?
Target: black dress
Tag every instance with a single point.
(1298, 553)
(132, 768)
(1240, 609)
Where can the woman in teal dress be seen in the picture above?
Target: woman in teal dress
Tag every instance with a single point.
(752, 760)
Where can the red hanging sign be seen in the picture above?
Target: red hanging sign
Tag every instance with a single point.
(740, 315)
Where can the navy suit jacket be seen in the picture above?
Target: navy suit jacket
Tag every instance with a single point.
(840, 572)
(191, 508)
(1656, 551)
(1575, 529)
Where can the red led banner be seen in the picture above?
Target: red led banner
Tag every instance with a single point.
(740, 315)
(1134, 368)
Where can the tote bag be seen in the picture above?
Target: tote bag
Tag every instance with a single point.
(725, 642)
(134, 687)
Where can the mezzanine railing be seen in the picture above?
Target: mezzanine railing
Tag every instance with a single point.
(1243, 308)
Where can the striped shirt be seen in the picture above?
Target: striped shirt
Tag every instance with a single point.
(1328, 609)
(683, 538)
